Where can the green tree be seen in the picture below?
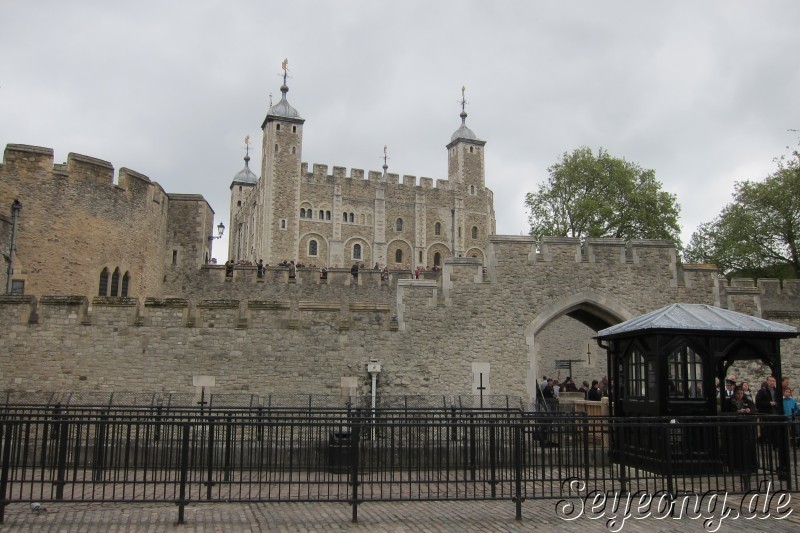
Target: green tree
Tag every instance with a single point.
(758, 233)
(597, 195)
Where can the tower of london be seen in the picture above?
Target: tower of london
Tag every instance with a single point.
(314, 217)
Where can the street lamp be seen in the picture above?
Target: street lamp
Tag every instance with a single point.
(15, 209)
(220, 231)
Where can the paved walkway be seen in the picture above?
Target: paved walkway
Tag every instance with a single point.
(461, 517)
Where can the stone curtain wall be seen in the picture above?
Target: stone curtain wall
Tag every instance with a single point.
(312, 336)
(75, 220)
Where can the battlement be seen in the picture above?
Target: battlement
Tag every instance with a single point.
(319, 174)
(35, 162)
(593, 250)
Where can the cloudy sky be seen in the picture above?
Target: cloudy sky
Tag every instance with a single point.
(701, 91)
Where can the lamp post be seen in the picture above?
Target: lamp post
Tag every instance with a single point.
(15, 209)
(220, 231)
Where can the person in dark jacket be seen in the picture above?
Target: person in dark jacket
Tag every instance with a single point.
(594, 393)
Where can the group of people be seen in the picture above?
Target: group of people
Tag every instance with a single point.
(737, 398)
(549, 388)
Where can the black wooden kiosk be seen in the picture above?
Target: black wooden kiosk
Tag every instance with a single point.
(665, 364)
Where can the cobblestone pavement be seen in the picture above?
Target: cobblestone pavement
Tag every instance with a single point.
(459, 517)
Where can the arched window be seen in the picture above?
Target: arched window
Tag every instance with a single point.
(399, 224)
(356, 251)
(437, 259)
(302, 212)
(474, 232)
(352, 217)
(327, 215)
(363, 219)
(344, 217)
(398, 256)
(312, 247)
(115, 283)
(283, 223)
(277, 127)
(103, 290)
(321, 214)
(472, 189)
(685, 373)
(437, 229)
(126, 281)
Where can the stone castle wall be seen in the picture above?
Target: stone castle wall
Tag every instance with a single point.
(76, 221)
(312, 335)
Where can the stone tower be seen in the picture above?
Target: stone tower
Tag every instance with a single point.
(243, 183)
(465, 171)
(279, 200)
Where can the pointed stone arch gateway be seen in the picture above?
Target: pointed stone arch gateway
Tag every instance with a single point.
(589, 307)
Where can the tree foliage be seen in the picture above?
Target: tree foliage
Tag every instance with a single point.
(597, 195)
(758, 233)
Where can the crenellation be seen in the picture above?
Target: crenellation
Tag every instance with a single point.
(409, 181)
(339, 172)
(426, 183)
(791, 287)
(770, 287)
(357, 173)
(113, 311)
(320, 171)
(85, 167)
(561, 249)
(25, 160)
(609, 251)
(16, 309)
(742, 282)
(63, 310)
(374, 175)
(443, 184)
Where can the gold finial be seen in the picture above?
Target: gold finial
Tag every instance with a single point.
(247, 140)
(463, 88)
(385, 147)
(285, 64)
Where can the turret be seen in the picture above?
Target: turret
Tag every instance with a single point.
(242, 185)
(465, 156)
(280, 169)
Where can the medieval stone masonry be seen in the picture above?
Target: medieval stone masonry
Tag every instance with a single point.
(118, 294)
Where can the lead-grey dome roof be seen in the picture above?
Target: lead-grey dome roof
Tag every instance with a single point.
(245, 175)
(283, 108)
(464, 133)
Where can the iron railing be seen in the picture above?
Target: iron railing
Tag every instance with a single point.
(353, 454)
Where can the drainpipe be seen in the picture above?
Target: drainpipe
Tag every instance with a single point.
(15, 209)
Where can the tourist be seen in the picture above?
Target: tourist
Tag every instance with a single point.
(767, 404)
(727, 394)
(569, 385)
(229, 268)
(738, 438)
(385, 275)
(594, 394)
(354, 270)
(260, 273)
(747, 392)
(323, 274)
(584, 389)
(292, 270)
(792, 410)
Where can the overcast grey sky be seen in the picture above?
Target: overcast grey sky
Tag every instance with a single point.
(701, 91)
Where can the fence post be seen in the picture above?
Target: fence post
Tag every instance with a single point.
(585, 448)
(492, 459)
(355, 438)
(472, 447)
(228, 445)
(5, 433)
(210, 456)
(99, 451)
(518, 469)
(61, 468)
(184, 471)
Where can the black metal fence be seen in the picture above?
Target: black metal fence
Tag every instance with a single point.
(354, 454)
